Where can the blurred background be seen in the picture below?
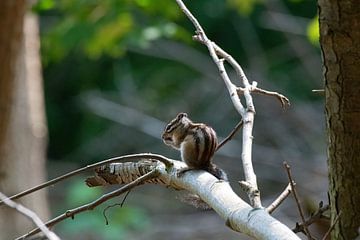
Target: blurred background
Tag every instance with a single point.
(115, 72)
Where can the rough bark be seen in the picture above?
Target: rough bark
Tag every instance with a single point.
(340, 44)
(22, 119)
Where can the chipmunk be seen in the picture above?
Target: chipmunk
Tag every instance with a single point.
(196, 142)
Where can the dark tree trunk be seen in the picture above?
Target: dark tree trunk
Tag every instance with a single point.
(340, 44)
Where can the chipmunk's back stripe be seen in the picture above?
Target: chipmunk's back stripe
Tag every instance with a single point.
(214, 141)
(204, 154)
(212, 145)
(197, 144)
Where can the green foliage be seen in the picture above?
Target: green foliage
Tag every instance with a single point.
(97, 45)
(245, 8)
(313, 31)
(98, 28)
(93, 223)
(42, 5)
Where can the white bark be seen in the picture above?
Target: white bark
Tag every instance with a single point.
(239, 215)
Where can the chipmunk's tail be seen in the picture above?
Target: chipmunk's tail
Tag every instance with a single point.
(217, 172)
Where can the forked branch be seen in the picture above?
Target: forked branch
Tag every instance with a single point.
(247, 113)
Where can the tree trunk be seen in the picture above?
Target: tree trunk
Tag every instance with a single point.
(22, 120)
(340, 44)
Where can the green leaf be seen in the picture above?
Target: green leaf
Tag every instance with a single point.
(312, 31)
(43, 5)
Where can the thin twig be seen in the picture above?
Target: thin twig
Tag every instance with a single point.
(231, 135)
(113, 205)
(31, 215)
(92, 205)
(276, 203)
(319, 91)
(332, 226)
(292, 183)
(319, 214)
(283, 100)
(92, 166)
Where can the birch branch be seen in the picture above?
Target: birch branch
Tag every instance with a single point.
(239, 215)
(276, 203)
(246, 113)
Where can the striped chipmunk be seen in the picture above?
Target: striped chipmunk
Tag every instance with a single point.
(196, 142)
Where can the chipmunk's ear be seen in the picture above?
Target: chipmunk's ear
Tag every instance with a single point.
(181, 115)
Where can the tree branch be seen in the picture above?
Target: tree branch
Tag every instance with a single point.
(247, 114)
(319, 214)
(332, 226)
(240, 216)
(231, 135)
(31, 215)
(276, 203)
(292, 183)
(283, 100)
(90, 206)
(130, 157)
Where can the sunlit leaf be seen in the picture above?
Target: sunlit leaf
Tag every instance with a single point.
(313, 31)
(43, 5)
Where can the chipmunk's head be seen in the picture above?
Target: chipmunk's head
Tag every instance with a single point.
(175, 129)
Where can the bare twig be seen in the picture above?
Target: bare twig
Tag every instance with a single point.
(130, 157)
(283, 100)
(219, 63)
(92, 205)
(31, 215)
(319, 91)
(276, 203)
(230, 136)
(332, 226)
(319, 214)
(113, 205)
(246, 113)
(292, 183)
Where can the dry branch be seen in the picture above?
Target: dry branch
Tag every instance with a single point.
(31, 215)
(319, 214)
(130, 157)
(276, 203)
(293, 189)
(90, 206)
(231, 135)
(285, 102)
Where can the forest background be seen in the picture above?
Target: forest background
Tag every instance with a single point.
(115, 72)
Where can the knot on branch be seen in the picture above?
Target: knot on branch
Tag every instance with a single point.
(252, 192)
